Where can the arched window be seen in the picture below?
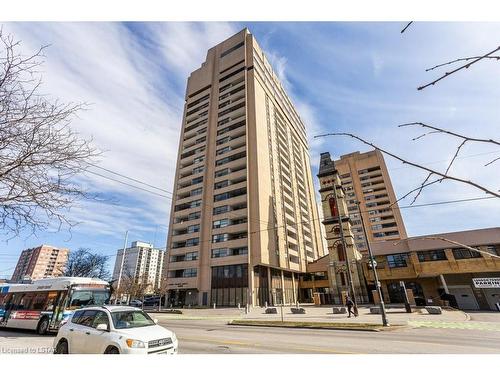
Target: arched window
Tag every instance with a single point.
(340, 252)
(342, 279)
(333, 207)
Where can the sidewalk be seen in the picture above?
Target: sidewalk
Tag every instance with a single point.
(395, 315)
(325, 314)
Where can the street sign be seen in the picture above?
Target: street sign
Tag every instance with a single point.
(486, 282)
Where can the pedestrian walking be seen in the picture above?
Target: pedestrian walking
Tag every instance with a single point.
(350, 304)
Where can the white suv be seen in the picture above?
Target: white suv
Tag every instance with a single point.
(114, 330)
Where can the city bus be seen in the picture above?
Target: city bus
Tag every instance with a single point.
(43, 305)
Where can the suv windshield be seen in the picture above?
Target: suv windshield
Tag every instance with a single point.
(131, 319)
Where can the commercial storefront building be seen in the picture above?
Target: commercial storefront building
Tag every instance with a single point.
(439, 272)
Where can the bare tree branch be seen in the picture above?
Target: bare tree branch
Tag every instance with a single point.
(462, 59)
(491, 162)
(408, 25)
(466, 66)
(427, 169)
(40, 154)
(465, 139)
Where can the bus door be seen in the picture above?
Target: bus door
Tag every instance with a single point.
(57, 303)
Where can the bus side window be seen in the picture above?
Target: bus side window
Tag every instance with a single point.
(49, 303)
(40, 300)
(26, 301)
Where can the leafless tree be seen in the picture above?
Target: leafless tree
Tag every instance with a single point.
(40, 155)
(86, 263)
(433, 175)
(132, 286)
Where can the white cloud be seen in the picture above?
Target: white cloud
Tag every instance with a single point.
(136, 91)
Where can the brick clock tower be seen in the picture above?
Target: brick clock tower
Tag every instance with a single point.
(341, 246)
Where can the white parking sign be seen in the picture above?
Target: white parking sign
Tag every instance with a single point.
(487, 282)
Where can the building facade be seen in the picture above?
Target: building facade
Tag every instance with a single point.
(439, 272)
(40, 262)
(365, 179)
(244, 220)
(142, 265)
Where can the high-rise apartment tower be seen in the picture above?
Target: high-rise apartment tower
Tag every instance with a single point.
(40, 262)
(244, 219)
(142, 264)
(365, 179)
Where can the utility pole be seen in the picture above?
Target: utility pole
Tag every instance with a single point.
(344, 246)
(121, 265)
(385, 322)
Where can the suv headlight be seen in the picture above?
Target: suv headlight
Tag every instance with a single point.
(135, 343)
(174, 337)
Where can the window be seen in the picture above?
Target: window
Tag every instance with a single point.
(194, 215)
(223, 150)
(191, 256)
(192, 241)
(225, 252)
(196, 192)
(87, 318)
(221, 172)
(100, 318)
(228, 51)
(333, 207)
(198, 170)
(131, 319)
(397, 260)
(220, 210)
(221, 223)
(193, 228)
(195, 203)
(221, 184)
(465, 254)
(431, 255)
(493, 249)
(199, 159)
(76, 316)
(196, 180)
(220, 237)
(190, 272)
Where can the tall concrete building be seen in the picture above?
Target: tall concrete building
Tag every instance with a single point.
(365, 179)
(40, 262)
(244, 220)
(142, 263)
(345, 270)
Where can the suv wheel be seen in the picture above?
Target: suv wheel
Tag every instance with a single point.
(112, 350)
(62, 347)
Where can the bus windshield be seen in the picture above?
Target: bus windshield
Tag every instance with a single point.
(80, 298)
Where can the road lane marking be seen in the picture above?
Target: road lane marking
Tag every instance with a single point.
(255, 345)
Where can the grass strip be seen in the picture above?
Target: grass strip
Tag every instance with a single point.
(318, 325)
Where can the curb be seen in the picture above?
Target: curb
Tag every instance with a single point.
(338, 328)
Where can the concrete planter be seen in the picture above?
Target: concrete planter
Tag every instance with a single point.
(339, 310)
(434, 310)
(298, 310)
(271, 310)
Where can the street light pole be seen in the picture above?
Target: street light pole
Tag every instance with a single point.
(121, 263)
(385, 322)
(344, 246)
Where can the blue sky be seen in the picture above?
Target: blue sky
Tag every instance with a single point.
(356, 77)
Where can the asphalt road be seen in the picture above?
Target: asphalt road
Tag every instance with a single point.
(214, 336)
(201, 336)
